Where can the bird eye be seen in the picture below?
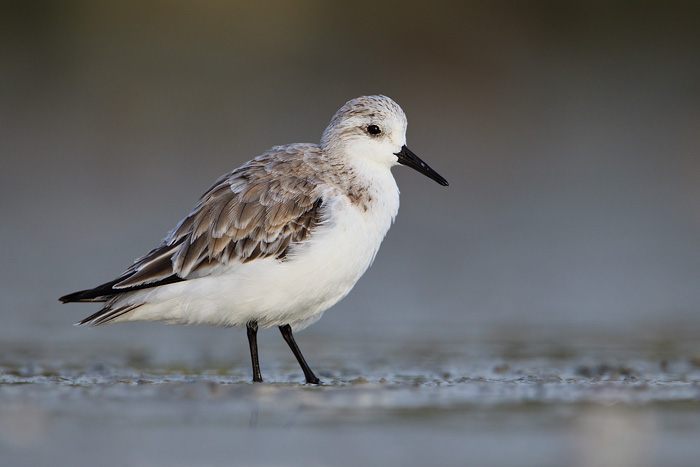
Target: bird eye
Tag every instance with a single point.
(373, 130)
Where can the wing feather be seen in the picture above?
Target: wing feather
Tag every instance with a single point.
(259, 210)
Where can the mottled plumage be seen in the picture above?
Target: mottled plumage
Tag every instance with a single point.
(278, 240)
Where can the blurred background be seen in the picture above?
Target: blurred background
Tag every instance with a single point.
(569, 132)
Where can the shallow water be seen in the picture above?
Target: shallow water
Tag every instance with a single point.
(490, 403)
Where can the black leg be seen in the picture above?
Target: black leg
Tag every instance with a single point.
(252, 329)
(286, 331)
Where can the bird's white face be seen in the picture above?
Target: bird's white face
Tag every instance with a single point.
(377, 140)
(370, 131)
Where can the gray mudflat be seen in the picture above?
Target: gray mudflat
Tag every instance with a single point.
(486, 404)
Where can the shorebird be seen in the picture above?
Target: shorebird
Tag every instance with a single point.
(277, 241)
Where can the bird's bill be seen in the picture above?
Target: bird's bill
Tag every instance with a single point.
(406, 157)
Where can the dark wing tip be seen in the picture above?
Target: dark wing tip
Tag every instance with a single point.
(103, 292)
(75, 297)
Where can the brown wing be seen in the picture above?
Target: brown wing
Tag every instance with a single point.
(257, 211)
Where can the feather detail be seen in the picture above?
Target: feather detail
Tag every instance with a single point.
(106, 315)
(259, 210)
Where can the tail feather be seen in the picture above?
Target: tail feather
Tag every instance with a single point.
(106, 315)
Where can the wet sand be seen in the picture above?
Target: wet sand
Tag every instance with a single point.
(498, 403)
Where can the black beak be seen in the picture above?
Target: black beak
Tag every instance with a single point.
(406, 157)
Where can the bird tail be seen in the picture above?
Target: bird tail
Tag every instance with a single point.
(106, 314)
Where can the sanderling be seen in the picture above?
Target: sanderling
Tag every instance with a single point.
(277, 241)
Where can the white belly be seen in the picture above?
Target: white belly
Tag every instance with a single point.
(296, 291)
